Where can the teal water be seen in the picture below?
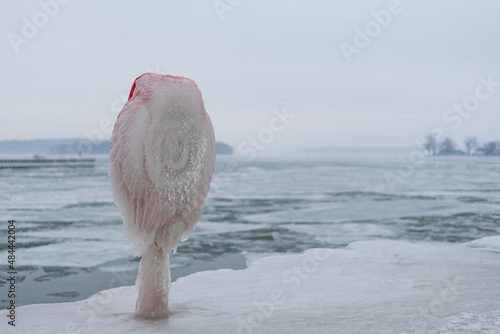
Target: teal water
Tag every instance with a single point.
(67, 224)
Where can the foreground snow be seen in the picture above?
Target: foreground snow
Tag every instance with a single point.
(368, 287)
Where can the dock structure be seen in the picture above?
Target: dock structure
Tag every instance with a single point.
(45, 163)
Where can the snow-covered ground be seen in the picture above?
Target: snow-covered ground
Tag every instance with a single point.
(368, 287)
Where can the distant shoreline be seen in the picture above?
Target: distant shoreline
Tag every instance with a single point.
(72, 146)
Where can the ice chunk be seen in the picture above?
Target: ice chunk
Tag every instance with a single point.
(365, 288)
(162, 160)
(492, 243)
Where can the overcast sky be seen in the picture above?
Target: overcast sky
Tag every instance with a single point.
(66, 77)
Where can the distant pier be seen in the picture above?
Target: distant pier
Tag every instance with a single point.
(44, 163)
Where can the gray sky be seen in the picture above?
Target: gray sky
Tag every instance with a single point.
(252, 57)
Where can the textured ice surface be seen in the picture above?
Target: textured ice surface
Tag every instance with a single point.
(492, 243)
(368, 287)
(161, 163)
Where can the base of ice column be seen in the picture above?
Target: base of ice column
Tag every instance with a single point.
(368, 287)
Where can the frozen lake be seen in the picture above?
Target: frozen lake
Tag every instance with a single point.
(68, 226)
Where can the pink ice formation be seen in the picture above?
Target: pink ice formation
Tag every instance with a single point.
(162, 161)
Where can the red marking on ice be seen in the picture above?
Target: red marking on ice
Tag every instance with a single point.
(132, 90)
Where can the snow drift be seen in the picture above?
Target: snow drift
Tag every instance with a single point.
(368, 287)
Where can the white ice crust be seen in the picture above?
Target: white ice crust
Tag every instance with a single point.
(368, 287)
(491, 243)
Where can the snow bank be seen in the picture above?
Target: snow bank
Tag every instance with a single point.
(492, 243)
(368, 287)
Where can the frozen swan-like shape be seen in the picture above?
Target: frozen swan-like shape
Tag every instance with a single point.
(162, 161)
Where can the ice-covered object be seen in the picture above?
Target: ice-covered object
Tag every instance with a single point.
(383, 287)
(162, 160)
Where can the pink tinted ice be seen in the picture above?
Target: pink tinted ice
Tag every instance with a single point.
(162, 160)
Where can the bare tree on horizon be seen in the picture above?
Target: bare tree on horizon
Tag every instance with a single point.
(471, 144)
(431, 144)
